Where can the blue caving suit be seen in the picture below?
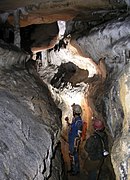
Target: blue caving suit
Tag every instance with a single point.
(74, 140)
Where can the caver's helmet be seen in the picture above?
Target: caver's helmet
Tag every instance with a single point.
(76, 109)
(98, 124)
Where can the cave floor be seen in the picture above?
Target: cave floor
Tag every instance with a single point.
(81, 176)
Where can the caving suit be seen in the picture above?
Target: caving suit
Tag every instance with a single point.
(74, 137)
(94, 146)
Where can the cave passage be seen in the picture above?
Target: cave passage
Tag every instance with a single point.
(76, 79)
(54, 54)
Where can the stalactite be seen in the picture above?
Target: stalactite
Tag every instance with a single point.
(17, 38)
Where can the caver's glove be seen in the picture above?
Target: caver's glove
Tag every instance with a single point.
(66, 118)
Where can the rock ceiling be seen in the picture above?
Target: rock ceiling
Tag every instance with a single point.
(43, 11)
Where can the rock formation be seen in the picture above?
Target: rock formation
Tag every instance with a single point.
(91, 69)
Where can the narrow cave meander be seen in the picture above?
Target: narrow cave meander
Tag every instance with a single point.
(75, 91)
(46, 65)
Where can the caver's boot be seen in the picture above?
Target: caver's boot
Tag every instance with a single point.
(74, 170)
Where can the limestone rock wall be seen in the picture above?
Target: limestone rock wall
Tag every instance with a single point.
(111, 42)
(11, 56)
(117, 115)
(29, 126)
